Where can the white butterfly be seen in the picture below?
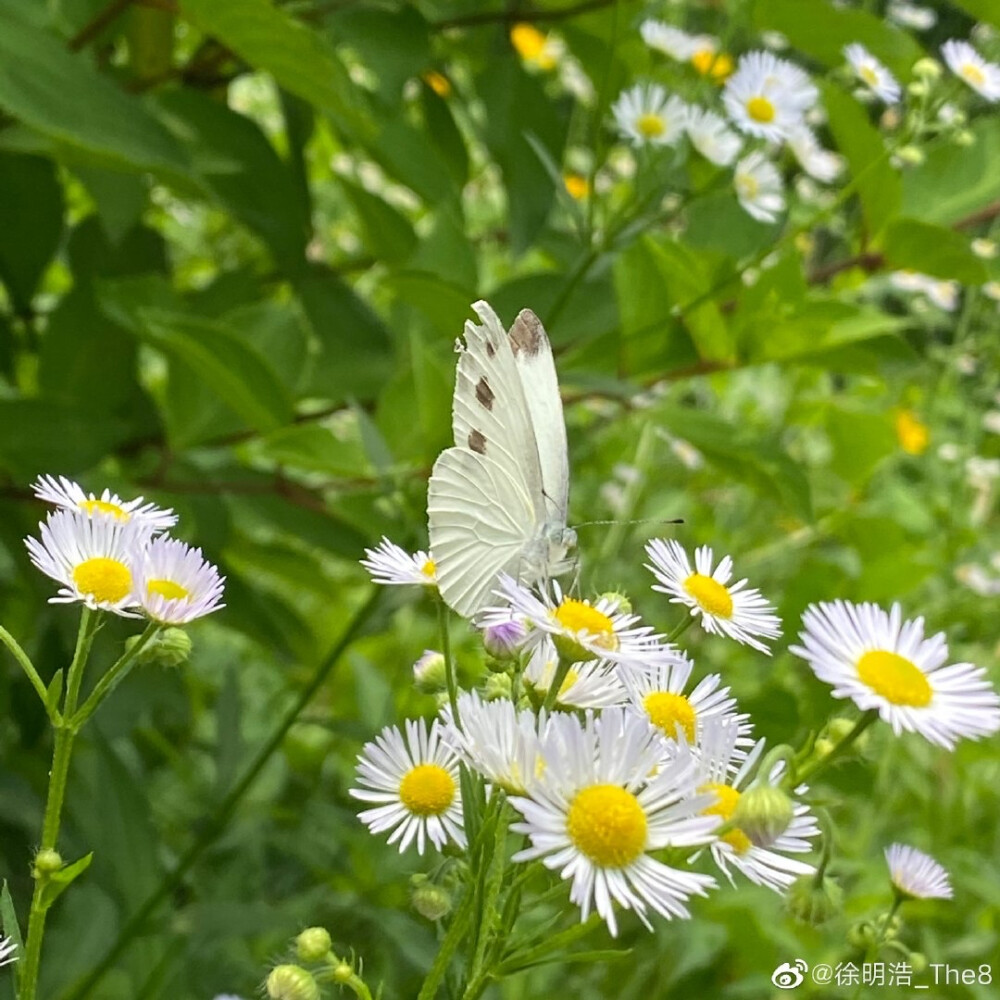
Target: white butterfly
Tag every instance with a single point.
(497, 500)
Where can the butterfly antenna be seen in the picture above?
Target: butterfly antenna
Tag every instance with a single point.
(641, 520)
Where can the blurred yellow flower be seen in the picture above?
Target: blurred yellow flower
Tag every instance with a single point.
(717, 65)
(577, 185)
(913, 435)
(533, 46)
(438, 82)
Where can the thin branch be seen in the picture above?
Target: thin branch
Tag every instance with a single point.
(519, 15)
(98, 23)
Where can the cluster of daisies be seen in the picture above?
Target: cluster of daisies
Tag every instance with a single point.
(114, 555)
(767, 104)
(631, 768)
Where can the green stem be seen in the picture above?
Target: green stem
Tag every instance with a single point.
(838, 750)
(118, 671)
(552, 694)
(61, 756)
(449, 663)
(29, 668)
(681, 628)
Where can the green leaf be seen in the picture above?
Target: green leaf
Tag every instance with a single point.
(982, 10)
(754, 458)
(879, 186)
(65, 98)
(8, 916)
(860, 441)
(386, 232)
(58, 882)
(314, 448)
(31, 223)
(270, 39)
(921, 246)
(54, 691)
(954, 181)
(444, 133)
(825, 31)
(215, 353)
(240, 166)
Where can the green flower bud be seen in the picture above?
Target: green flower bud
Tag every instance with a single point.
(964, 138)
(814, 904)
(313, 944)
(291, 982)
(431, 901)
(862, 935)
(170, 647)
(620, 601)
(342, 972)
(918, 88)
(912, 156)
(429, 673)
(498, 687)
(763, 813)
(47, 862)
(927, 69)
(918, 962)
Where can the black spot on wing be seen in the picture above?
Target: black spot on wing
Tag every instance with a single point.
(490, 349)
(484, 394)
(477, 442)
(527, 334)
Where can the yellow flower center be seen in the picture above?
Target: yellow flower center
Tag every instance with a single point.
(868, 74)
(895, 678)
(577, 186)
(708, 63)
(532, 45)
(726, 800)
(760, 109)
(438, 82)
(102, 506)
(913, 435)
(427, 790)
(711, 595)
(429, 569)
(650, 125)
(973, 74)
(607, 824)
(578, 617)
(108, 581)
(168, 589)
(670, 712)
(747, 187)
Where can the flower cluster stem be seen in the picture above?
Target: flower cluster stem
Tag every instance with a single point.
(838, 750)
(449, 664)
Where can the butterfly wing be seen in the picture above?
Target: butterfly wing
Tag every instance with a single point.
(486, 499)
(537, 370)
(480, 519)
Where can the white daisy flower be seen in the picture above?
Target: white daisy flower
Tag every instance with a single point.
(391, 565)
(646, 115)
(759, 187)
(175, 584)
(497, 740)
(64, 492)
(967, 64)
(581, 630)
(816, 161)
(710, 135)
(910, 15)
(916, 874)
(658, 697)
(592, 684)
(943, 293)
(8, 951)
(94, 558)
(674, 42)
(597, 812)
(414, 779)
(881, 662)
(726, 772)
(768, 96)
(725, 609)
(872, 73)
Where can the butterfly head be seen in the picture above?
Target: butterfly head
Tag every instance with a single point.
(561, 544)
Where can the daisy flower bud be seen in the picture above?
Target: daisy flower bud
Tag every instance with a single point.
(503, 640)
(313, 944)
(430, 900)
(763, 813)
(498, 687)
(429, 674)
(912, 156)
(812, 903)
(927, 69)
(47, 861)
(291, 982)
(170, 648)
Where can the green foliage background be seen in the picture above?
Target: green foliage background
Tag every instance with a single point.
(237, 243)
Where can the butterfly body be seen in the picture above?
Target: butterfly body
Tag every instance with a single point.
(497, 500)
